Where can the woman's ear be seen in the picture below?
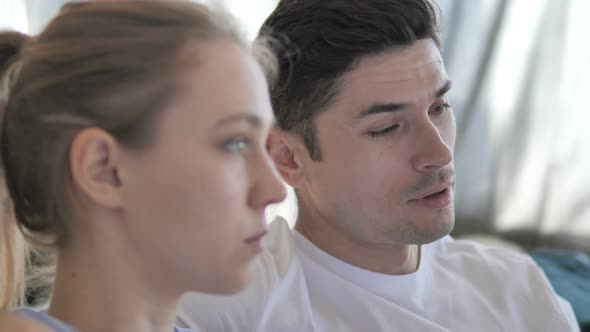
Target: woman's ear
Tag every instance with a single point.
(94, 162)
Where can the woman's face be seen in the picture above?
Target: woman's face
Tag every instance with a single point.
(195, 199)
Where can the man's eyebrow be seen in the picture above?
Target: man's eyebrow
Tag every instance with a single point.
(444, 89)
(383, 108)
(397, 107)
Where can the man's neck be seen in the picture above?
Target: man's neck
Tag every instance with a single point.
(392, 259)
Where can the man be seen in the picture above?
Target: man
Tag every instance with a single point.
(366, 136)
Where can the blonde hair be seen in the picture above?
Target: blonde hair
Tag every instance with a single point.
(111, 65)
(14, 250)
(14, 259)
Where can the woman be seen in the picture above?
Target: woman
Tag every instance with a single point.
(133, 141)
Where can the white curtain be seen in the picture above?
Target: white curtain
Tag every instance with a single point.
(31, 15)
(13, 15)
(28, 16)
(522, 75)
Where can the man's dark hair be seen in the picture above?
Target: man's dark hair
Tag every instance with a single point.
(319, 40)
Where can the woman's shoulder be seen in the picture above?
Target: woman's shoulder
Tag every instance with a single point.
(43, 318)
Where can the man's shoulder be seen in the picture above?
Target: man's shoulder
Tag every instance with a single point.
(468, 251)
(487, 264)
(503, 276)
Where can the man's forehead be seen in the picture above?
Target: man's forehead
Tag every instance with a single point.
(398, 64)
(412, 75)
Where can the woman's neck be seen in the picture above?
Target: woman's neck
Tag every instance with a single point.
(99, 288)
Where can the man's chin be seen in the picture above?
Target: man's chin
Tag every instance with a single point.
(435, 232)
(426, 232)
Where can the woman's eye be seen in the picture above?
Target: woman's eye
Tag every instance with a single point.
(384, 131)
(237, 145)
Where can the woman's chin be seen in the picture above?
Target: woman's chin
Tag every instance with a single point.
(233, 284)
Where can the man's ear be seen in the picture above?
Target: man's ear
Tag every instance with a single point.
(94, 158)
(284, 149)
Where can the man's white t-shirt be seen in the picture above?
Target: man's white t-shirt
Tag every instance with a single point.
(460, 286)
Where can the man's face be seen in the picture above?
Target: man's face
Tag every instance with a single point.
(386, 174)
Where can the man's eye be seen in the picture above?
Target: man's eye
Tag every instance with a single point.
(384, 131)
(440, 109)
